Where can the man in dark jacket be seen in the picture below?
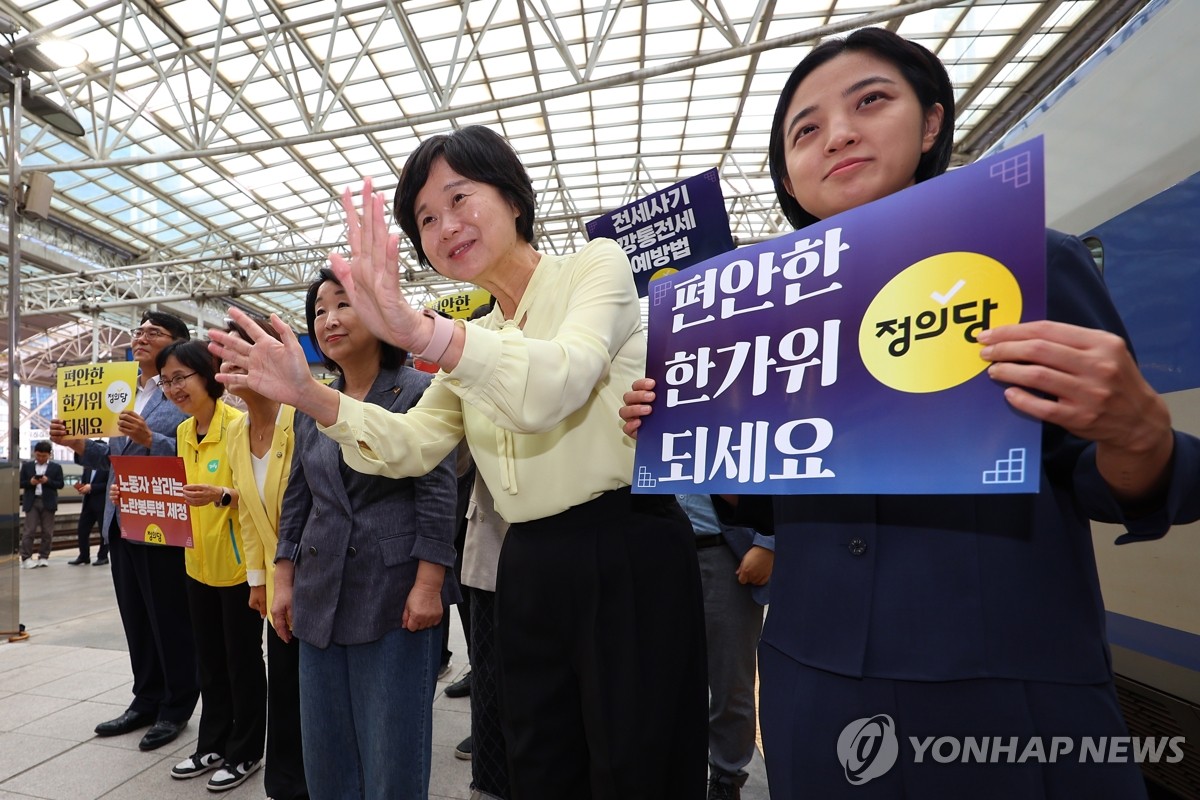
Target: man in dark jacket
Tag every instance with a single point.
(40, 481)
(93, 488)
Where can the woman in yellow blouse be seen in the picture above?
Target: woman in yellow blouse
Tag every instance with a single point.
(260, 454)
(599, 623)
(228, 634)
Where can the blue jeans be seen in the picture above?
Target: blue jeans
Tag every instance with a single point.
(367, 715)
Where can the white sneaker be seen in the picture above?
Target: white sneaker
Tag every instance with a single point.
(41, 562)
(228, 777)
(27, 563)
(195, 765)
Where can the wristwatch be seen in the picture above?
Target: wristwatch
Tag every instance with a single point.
(226, 498)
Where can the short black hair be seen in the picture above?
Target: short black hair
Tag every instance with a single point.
(43, 447)
(194, 355)
(924, 73)
(484, 309)
(390, 356)
(169, 323)
(478, 154)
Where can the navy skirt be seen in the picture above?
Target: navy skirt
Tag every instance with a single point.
(829, 736)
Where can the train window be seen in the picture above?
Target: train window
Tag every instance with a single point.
(1097, 249)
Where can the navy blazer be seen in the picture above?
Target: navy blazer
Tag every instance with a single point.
(50, 488)
(355, 538)
(163, 418)
(958, 587)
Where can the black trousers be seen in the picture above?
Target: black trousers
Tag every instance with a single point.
(90, 516)
(233, 679)
(151, 589)
(600, 630)
(284, 773)
(464, 606)
(489, 755)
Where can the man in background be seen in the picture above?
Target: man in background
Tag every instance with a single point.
(40, 481)
(93, 488)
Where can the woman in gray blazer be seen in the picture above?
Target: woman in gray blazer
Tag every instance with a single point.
(363, 575)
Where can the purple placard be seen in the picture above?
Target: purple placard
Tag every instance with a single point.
(841, 359)
(670, 230)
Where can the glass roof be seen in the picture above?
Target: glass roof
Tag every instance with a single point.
(219, 133)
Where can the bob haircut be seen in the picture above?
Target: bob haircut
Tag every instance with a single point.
(194, 355)
(478, 154)
(390, 356)
(921, 68)
(169, 323)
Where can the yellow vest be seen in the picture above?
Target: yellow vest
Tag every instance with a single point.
(218, 557)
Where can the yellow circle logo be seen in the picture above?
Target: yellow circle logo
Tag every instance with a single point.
(918, 334)
(154, 535)
(662, 273)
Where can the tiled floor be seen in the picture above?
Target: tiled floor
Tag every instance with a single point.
(73, 672)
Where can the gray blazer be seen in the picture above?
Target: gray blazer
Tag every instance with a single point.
(162, 417)
(356, 539)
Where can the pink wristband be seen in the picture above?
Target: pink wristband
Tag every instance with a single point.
(443, 332)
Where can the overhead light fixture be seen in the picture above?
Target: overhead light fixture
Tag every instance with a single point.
(54, 114)
(48, 53)
(40, 54)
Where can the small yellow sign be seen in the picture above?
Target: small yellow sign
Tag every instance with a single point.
(461, 305)
(91, 396)
(154, 535)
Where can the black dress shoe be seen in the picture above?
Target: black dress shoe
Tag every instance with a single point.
(80, 560)
(460, 688)
(129, 721)
(99, 562)
(162, 732)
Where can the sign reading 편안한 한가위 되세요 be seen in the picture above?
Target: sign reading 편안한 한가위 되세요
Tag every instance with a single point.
(842, 359)
(91, 397)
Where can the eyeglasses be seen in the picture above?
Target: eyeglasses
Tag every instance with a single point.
(176, 381)
(147, 333)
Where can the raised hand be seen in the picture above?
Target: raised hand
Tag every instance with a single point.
(274, 368)
(371, 274)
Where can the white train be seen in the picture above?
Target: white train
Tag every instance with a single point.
(1122, 141)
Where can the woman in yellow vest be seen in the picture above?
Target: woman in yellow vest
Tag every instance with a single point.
(260, 453)
(227, 631)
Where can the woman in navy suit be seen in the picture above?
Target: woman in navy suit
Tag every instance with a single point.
(895, 619)
(363, 573)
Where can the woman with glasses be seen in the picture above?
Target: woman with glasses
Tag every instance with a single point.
(227, 631)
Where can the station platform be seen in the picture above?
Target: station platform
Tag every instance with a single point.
(73, 672)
